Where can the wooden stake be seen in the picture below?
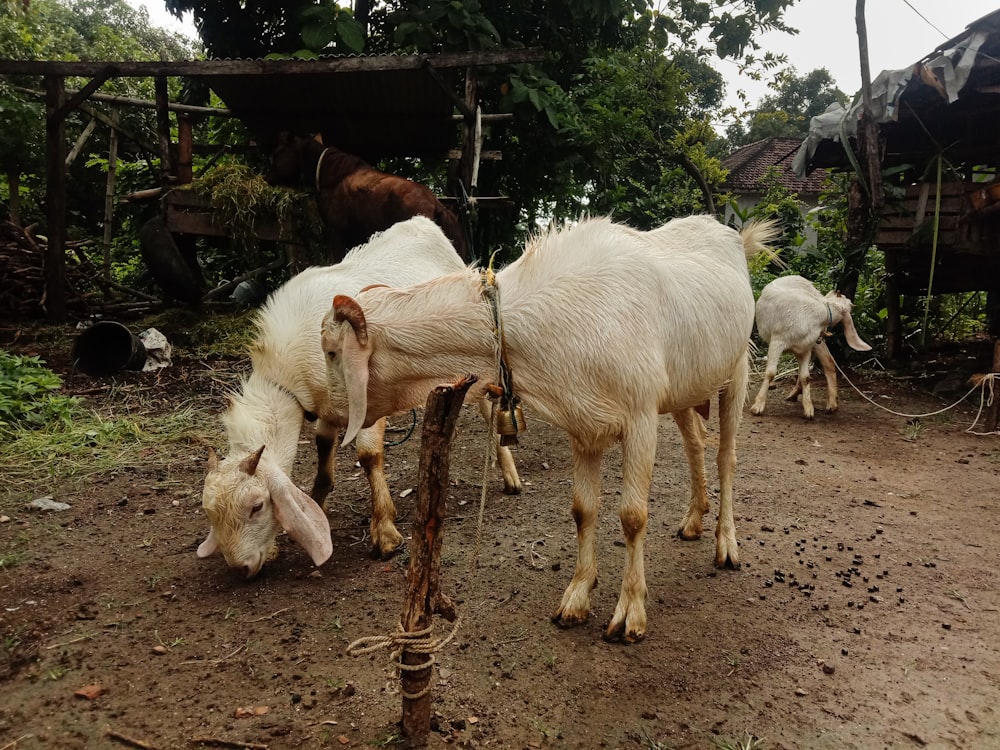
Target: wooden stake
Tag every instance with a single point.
(423, 580)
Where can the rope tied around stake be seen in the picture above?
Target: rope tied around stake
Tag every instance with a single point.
(415, 642)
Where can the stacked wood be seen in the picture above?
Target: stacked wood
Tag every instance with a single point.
(88, 292)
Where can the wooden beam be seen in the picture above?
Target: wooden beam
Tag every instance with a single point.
(213, 68)
(81, 96)
(146, 103)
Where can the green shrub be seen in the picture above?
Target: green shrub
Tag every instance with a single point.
(29, 394)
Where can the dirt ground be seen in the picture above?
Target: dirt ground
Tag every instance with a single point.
(865, 614)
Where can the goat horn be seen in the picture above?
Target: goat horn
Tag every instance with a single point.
(347, 308)
(213, 459)
(249, 464)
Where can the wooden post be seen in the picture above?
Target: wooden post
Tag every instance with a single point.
(423, 595)
(993, 412)
(109, 193)
(185, 149)
(860, 226)
(163, 130)
(55, 199)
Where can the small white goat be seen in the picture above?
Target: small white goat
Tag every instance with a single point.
(604, 328)
(249, 496)
(792, 315)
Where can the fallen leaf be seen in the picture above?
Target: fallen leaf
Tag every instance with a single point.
(342, 739)
(243, 712)
(89, 692)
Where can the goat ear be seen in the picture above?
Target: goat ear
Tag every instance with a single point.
(318, 137)
(209, 547)
(851, 334)
(300, 516)
(249, 464)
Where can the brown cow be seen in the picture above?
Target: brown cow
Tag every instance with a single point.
(355, 199)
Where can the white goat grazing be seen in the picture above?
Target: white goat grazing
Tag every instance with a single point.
(604, 328)
(249, 496)
(792, 315)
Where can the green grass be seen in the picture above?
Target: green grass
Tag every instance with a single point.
(94, 445)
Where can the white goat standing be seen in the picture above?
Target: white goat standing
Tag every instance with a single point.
(792, 315)
(605, 328)
(249, 496)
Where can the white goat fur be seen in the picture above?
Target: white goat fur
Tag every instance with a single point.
(605, 328)
(249, 496)
(792, 315)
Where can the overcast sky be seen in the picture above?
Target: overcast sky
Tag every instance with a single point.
(900, 32)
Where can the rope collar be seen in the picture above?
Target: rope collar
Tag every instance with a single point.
(319, 166)
(508, 401)
(826, 333)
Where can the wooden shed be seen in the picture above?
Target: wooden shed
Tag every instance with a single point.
(938, 124)
(375, 106)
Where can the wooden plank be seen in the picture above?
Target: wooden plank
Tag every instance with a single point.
(904, 237)
(202, 223)
(947, 189)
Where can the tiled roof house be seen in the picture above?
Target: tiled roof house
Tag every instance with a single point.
(748, 166)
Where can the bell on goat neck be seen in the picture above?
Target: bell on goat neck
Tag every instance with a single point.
(510, 421)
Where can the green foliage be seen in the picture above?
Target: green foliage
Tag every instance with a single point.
(329, 27)
(787, 112)
(29, 395)
(443, 25)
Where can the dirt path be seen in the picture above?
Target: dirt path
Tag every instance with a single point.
(865, 614)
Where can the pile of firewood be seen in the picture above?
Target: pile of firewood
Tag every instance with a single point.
(88, 291)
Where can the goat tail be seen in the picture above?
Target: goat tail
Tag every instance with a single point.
(757, 237)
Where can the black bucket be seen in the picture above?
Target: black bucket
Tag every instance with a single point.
(107, 347)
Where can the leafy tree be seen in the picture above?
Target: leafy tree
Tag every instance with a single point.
(787, 112)
(73, 30)
(568, 145)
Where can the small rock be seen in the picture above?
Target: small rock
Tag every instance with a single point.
(407, 492)
(47, 503)
(801, 693)
(159, 650)
(828, 668)
(4, 519)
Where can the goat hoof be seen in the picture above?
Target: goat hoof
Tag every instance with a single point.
(728, 564)
(688, 536)
(568, 621)
(384, 554)
(617, 633)
(512, 489)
